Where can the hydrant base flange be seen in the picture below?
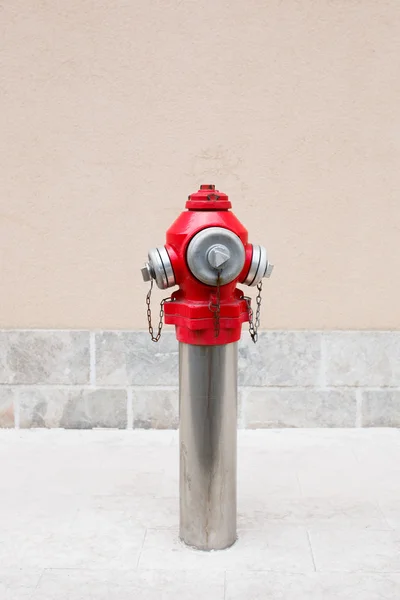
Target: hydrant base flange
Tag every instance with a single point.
(194, 321)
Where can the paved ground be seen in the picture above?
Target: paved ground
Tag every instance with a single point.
(94, 514)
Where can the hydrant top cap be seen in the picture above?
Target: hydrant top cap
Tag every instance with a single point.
(208, 198)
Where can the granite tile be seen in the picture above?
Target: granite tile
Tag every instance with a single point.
(280, 358)
(353, 549)
(362, 358)
(44, 357)
(279, 548)
(155, 408)
(141, 509)
(381, 408)
(45, 511)
(335, 512)
(73, 408)
(18, 584)
(74, 584)
(311, 586)
(280, 407)
(346, 480)
(261, 476)
(131, 358)
(112, 547)
(381, 450)
(390, 507)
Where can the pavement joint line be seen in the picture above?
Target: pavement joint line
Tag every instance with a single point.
(141, 549)
(38, 582)
(311, 550)
(378, 505)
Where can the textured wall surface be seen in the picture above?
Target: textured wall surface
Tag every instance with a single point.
(120, 379)
(112, 112)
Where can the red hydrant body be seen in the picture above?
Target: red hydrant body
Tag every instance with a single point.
(207, 254)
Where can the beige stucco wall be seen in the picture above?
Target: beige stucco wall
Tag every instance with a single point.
(113, 111)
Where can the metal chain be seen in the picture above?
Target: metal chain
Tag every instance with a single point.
(253, 326)
(155, 338)
(216, 307)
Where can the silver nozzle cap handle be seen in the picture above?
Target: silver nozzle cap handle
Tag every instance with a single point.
(268, 270)
(146, 272)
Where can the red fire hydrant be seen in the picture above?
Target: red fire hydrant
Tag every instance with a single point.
(207, 254)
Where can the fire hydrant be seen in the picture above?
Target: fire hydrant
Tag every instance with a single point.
(207, 254)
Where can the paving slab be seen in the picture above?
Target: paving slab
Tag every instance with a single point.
(95, 514)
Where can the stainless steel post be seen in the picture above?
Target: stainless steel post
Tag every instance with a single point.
(208, 440)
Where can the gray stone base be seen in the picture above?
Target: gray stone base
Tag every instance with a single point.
(120, 379)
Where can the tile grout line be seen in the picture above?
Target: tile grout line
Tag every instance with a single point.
(225, 584)
(37, 585)
(141, 549)
(86, 386)
(322, 368)
(359, 406)
(149, 388)
(311, 550)
(92, 350)
(129, 408)
(377, 503)
(17, 407)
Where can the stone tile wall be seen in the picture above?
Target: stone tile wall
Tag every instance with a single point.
(120, 379)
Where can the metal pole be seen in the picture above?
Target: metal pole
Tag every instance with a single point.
(208, 440)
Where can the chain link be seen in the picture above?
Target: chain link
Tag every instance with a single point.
(253, 326)
(216, 307)
(155, 338)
